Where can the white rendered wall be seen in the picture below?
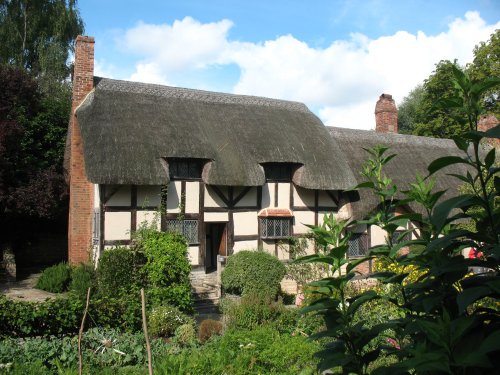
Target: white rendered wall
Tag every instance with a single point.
(192, 197)
(121, 195)
(148, 196)
(117, 226)
(245, 223)
(174, 197)
(245, 245)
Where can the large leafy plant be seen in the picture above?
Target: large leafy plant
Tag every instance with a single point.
(447, 326)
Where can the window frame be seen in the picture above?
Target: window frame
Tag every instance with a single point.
(194, 169)
(183, 233)
(275, 219)
(278, 172)
(359, 236)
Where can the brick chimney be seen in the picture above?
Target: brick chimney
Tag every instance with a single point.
(386, 115)
(81, 191)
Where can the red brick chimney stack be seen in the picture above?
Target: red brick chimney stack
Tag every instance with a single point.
(81, 191)
(386, 115)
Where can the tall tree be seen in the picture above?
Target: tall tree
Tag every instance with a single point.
(418, 112)
(38, 36)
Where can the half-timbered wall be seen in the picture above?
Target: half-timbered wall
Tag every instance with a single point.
(125, 208)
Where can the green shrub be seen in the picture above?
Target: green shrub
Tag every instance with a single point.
(185, 335)
(209, 328)
(253, 272)
(167, 267)
(250, 311)
(117, 271)
(122, 312)
(82, 277)
(164, 320)
(52, 317)
(55, 279)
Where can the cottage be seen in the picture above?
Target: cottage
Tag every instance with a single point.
(231, 172)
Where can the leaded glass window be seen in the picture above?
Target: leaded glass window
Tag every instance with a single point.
(182, 169)
(278, 171)
(188, 228)
(274, 227)
(358, 245)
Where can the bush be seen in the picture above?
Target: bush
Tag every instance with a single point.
(117, 271)
(185, 335)
(209, 328)
(53, 317)
(253, 272)
(167, 267)
(55, 279)
(164, 320)
(123, 312)
(82, 277)
(250, 311)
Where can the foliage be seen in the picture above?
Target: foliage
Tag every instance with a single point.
(38, 35)
(55, 278)
(102, 348)
(439, 325)
(253, 272)
(301, 273)
(209, 328)
(259, 351)
(164, 320)
(185, 335)
(83, 277)
(117, 271)
(122, 312)
(166, 269)
(53, 317)
(419, 113)
(410, 111)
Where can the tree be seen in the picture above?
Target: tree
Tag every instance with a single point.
(487, 64)
(38, 36)
(418, 112)
(410, 110)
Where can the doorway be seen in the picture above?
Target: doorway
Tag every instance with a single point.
(215, 244)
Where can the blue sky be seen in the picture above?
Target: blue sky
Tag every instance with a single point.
(336, 56)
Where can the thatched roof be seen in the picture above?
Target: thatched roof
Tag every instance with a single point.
(129, 129)
(414, 154)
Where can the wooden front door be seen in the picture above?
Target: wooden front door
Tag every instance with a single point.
(215, 244)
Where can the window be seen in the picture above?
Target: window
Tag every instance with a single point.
(278, 171)
(188, 228)
(96, 227)
(358, 245)
(275, 227)
(183, 169)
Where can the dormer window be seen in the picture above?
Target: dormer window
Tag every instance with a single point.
(278, 172)
(185, 169)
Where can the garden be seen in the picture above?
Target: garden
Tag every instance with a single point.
(427, 313)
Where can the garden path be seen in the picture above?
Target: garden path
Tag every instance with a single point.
(25, 290)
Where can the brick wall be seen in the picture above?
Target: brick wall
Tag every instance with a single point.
(386, 115)
(81, 190)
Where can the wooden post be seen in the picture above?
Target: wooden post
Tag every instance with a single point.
(145, 327)
(80, 334)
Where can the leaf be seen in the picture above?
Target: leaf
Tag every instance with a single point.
(361, 299)
(445, 161)
(442, 210)
(461, 143)
(471, 295)
(363, 185)
(493, 132)
(490, 158)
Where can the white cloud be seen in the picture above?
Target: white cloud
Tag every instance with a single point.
(343, 80)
